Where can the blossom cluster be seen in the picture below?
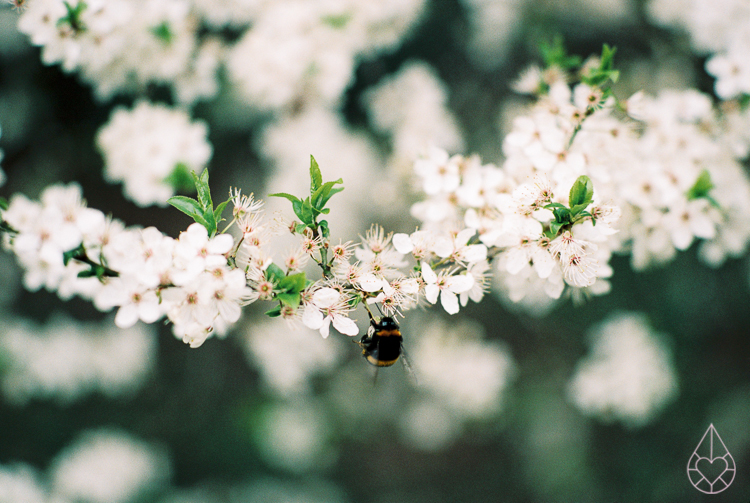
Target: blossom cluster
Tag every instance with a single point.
(123, 45)
(716, 28)
(152, 149)
(666, 170)
(67, 247)
(288, 51)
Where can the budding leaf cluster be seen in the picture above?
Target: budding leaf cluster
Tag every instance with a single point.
(73, 16)
(597, 77)
(701, 188)
(308, 209)
(287, 289)
(555, 54)
(201, 210)
(580, 197)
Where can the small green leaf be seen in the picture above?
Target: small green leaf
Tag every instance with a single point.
(324, 230)
(290, 299)
(578, 209)
(701, 187)
(554, 54)
(87, 273)
(293, 283)
(73, 16)
(163, 32)
(337, 21)
(205, 223)
(179, 179)
(554, 228)
(316, 178)
(204, 193)
(219, 210)
(554, 205)
(562, 215)
(300, 228)
(582, 191)
(275, 273)
(187, 205)
(321, 196)
(208, 216)
(273, 313)
(306, 212)
(75, 252)
(3, 203)
(285, 196)
(297, 207)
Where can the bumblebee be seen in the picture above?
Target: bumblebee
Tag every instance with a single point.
(382, 345)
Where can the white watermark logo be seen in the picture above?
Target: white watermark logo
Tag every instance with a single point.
(711, 468)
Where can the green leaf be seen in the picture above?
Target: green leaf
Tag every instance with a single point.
(321, 196)
(290, 299)
(324, 230)
(73, 16)
(297, 207)
(300, 228)
(701, 187)
(554, 54)
(75, 252)
(306, 212)
(179, 179)
(337, 21)
(554, 228)
(293, 283)
(204, 193)
(273, 313)
(562, 215)
(205, 223)
(578, 209)
(275, 273)
(3, 203)
(316, 178)
(187, 205)
(550, 206)
(582, 191)
(219, 210)
(210, 225)
(285, 196)
(87, 273)
(163, 32)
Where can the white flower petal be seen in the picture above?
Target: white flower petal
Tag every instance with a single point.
(312, 318)
(325, 297)
(460, 283)
(402, 243)
(428, 275)
(431, 293)
(449, 300)
(370, 283)
(345, 325)
(126, 316)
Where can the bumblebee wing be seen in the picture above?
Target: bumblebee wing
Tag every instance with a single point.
(407, 366)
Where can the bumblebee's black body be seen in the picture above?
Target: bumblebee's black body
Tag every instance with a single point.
(381, 346)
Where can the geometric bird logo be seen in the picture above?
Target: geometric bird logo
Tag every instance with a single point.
(711, 468)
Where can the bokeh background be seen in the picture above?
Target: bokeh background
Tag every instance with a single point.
(91, 413)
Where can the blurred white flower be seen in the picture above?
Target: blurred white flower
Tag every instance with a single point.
(629, 374)
(65, 360)
(19, 484)
(151, 148)
(108, 467)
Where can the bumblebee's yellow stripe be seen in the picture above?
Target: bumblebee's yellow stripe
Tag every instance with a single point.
(381, 363)
(388, 333)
